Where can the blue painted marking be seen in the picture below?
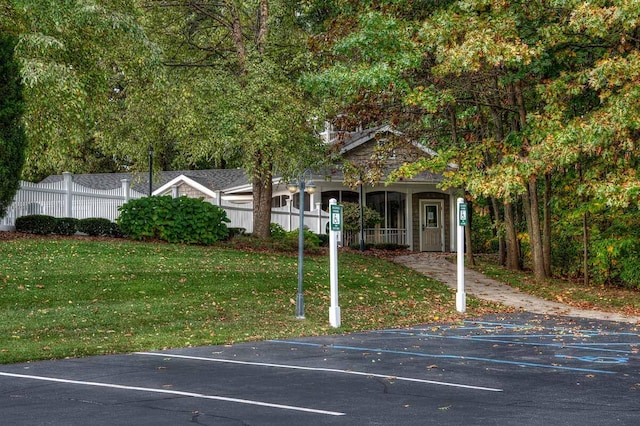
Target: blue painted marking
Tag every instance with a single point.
(425, 355)
(630, 344)
(562, 329)
(519, 342)
(597, 359)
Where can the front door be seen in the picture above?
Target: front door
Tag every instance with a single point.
(432, 230)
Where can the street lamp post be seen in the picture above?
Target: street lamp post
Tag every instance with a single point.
(301, 185)
(150, 170)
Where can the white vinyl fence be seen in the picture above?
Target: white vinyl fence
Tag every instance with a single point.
(241, 216)
(69, 199)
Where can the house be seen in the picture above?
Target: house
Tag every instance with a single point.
(415, 211)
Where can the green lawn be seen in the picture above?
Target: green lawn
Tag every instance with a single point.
(76, 297)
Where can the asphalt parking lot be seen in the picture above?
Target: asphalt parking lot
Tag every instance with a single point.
(513, 369)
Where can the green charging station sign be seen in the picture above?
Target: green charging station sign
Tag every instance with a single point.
(462, 214)
(335, 217)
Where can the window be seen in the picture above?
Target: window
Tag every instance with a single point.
(279, 201)
(390, 205)
(341, 196)
(431, 219)
(307, 201)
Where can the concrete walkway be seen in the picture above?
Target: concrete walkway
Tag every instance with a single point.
(436, 266)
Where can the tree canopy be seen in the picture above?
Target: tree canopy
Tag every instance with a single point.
(527, 98)
(82, 64)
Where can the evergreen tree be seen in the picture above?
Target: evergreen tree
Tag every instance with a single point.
(12, 137)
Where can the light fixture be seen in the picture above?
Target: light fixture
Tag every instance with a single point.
(310, 187)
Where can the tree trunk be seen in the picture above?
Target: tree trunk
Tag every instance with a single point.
(546, 229)
(499, 226)
(238, 39)
(262, 194)
(467, 235)
(532, 215)
(585, 247)
(511, 239)
(263, 18)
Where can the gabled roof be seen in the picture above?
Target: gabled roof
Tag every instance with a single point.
(213, 180)
(352, 140)
(349, 141)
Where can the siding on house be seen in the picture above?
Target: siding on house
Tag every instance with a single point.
(446, 217)
(189, 191)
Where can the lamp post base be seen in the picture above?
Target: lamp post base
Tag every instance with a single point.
(300, 306)
(461, 301)
(334, 316)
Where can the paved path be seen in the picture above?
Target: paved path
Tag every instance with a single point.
(436, 266)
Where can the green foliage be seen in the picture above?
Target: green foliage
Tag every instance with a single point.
(390, 246)
(277, 231)
(98, 227)
(241, 104)
(236, 231)
(176, 220)
(36, 224)
(12, 136)
(65, 226)
(86, 66)
(566, 252)
(351, 217)
(615, 259)
(289, 241)
(483, 236)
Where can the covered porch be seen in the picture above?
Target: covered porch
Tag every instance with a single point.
(415, 214)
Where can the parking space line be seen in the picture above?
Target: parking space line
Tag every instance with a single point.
(321, 369)
(445, 356)
(174, 392)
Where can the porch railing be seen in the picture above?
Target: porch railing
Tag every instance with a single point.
(377, 236)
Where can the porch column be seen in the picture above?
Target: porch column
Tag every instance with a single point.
(453, 226)
(126, 189)
(319, 210)
(409, 218)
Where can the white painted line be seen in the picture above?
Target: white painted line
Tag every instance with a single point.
(321, 369)
(173, 392)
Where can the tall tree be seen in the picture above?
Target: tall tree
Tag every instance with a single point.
(82, 63)
(238, 63)
(12, 137)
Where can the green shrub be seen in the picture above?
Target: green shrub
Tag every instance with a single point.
(324, 240)
(351, 217)
(175, 220)
(389, 246)
(483, 237)
(65, 226)
(98, 227)
(356, 245)
(277, 230)
(235, 231)
(36, 224)
(615, 260)
(289, 241)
